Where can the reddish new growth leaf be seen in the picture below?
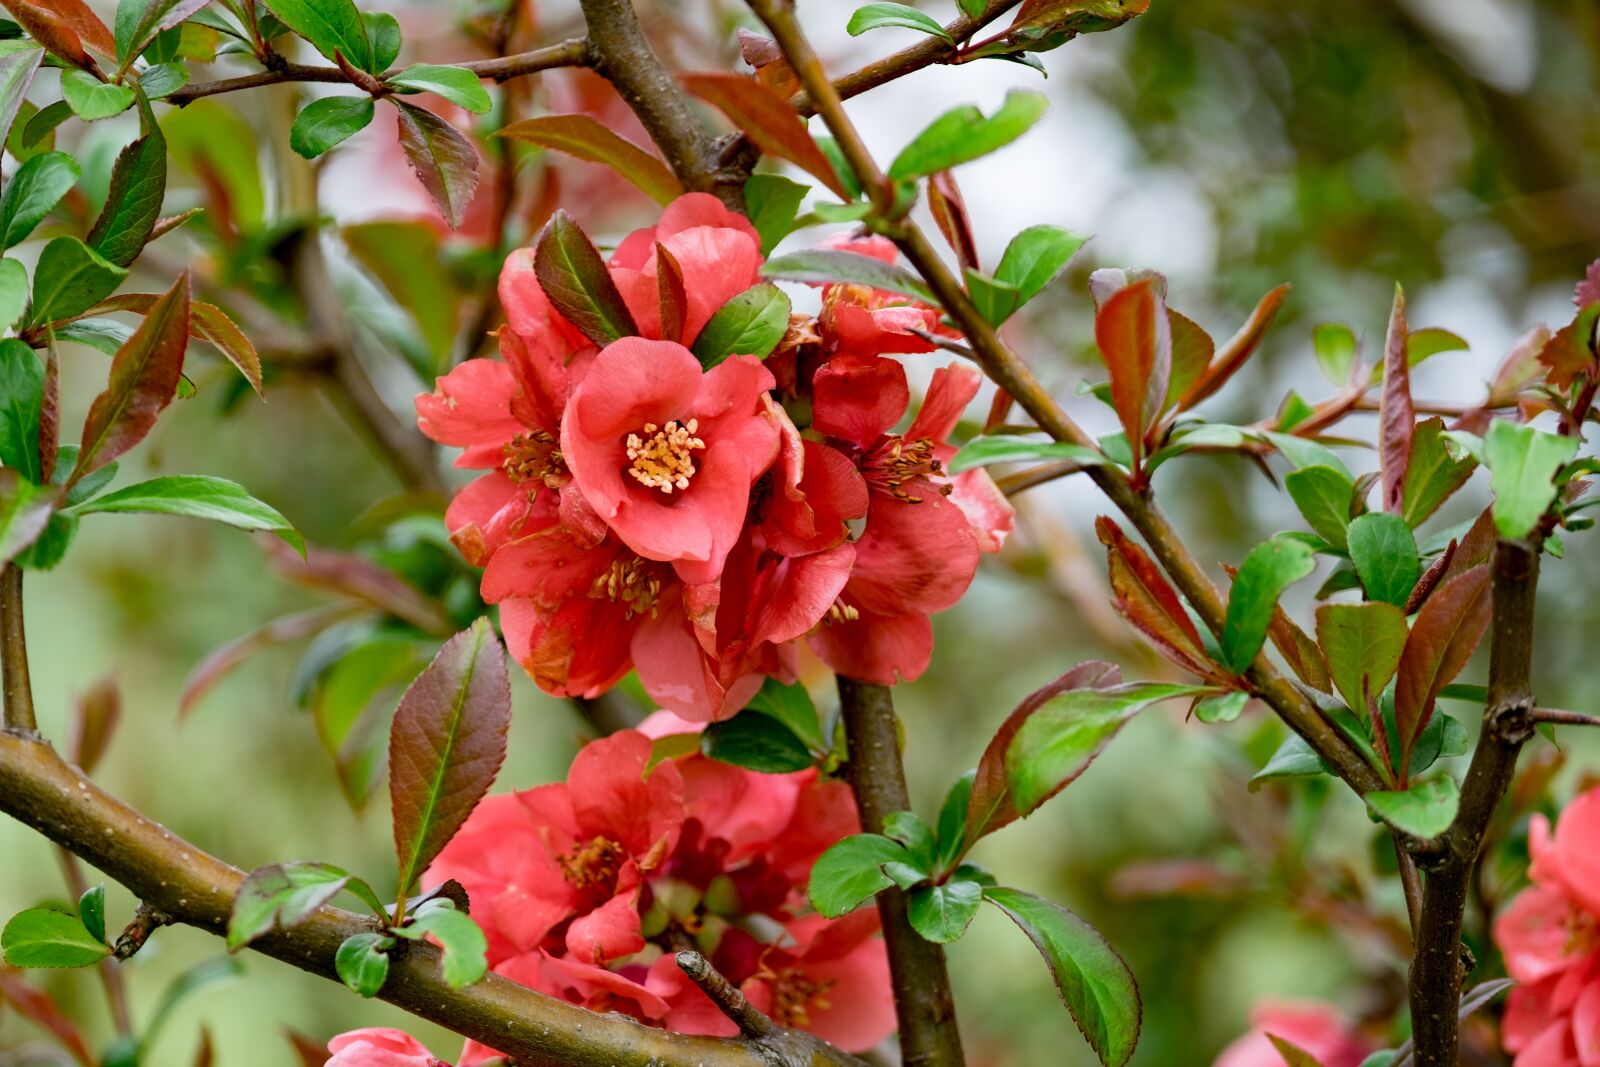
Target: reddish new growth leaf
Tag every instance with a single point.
(1146, 599)
(36, 1006)
(445, 162)
(674, 300)
(1397, 419)
(1588, 290)
(1447, 630)
(949, 210)
(1135, 340)
(53, 27)
(446, 745)
(207, 322)
(144, 377)
(95, 714)
(1573, 352)
(1237, 350)
(775, 127)
(990, 806)
(766, 57)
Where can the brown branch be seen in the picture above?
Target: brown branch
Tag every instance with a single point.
(570, 53)
(183, 883)
(620, 52)
(18, 714)
(732, 1003)
(922, 1001)
(1561, 717)
(1437, 970)
(1011, 374)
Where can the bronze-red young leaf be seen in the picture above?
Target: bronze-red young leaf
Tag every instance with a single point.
(1147, 600)
(768, 119)
(446, 745)
(1237, 350)
(1135, 340)
(445, 162)
(144, 378)
(1442, 640)
(1397, 418)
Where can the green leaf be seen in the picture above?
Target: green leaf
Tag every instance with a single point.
(92, 910)
(792, 706)
(1362, 643)
(1384, 551)
(33, 192)
(1443, 736)
(576, 280)
(362, 963)
(21, 407)
(446, 745)
(196, 496)
(757, 742)
(1522, 466)
(1294, 758)
(908, 828)
(1437, 469)
(942, 913)
(324, 123)
(163, 79)
(1094, 983)
(138, 21)
(1293, 1055)
(750, 324)
(69, 279)
(953, 820)
(585, 138)
(1221, 707)
(133, 205)
(444, 161)
(822, 266)
(994, 300)
(1059, 740)
(25, 511)
(466, 949)
(964, 134)
(773, 202)
(873, 16)
(456, 84)
(1425, 810)
(1302, 452)
(852, 872)
(1269, 569)
(972, 8)
(13, 291)
(1324, 497)
(1036, 257)
(383, 37)
(40, 937)
(332, 26)
(281, 895)
(982, 451)
(1336, 348)
(91, 99)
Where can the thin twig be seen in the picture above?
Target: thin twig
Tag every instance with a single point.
(18, 714)
(1564, 718)
(732, 1003)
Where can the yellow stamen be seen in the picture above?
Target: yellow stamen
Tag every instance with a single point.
(534, 456)
(629, 582)
(663, 457)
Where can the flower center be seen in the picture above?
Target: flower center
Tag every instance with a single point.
(794, 997)
(898, 462)
(662, 457)
(534, 456)
(631, 582)
(591, 869)
(839, 612)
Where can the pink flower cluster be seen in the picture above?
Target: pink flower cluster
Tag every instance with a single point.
(643, 513)
(1309, 1025)
(587, 888)
(1550, 938)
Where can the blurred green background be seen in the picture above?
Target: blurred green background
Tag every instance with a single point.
(1452, 145)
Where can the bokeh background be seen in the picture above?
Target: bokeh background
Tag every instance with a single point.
(1452, 145)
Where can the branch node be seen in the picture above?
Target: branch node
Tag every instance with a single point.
(146, 921)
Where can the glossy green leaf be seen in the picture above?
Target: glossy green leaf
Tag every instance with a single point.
(1036, 257)
(1221, 707)
(1324, 497)
(33, 191)
(281, 895)
(163, 79)
(792, 706)
(750, 324)
(982, 451)
(756, 742)
(942, 913)
(455, 84)
(773, 203)
(196, 496)
(952, 829)
(324, 123)
(92, 910)
(1095, 984)
(1522, 466)
(362, 963)
(851, 872)
(1266, 572)
(1336, 347)
(332, 26)
(71, 278)
(91, 99)
(876, 15)
(1437, 469)
(13, 291)
(383, 38)
(1426, 809)
(40, 937)
(133, 205)
(1362, 644)
(1293, 759)
(21, 407)
(965, 133)
(466, 949)
(1384, 552)
(576, 280)
(994, 300)
(821, 266)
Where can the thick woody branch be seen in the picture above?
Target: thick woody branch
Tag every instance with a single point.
(1011, 374)
(922, 1001)
(571, 53)
(1437, 970)
(183, 884)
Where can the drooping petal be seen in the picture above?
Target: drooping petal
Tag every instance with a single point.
(859, 398)
(470, 408)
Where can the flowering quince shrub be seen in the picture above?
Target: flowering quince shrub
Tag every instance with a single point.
(691, 479)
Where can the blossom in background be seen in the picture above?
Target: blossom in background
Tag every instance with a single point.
(381, 1047)
(1550, 938)
(1312, 1025)
(641, 512)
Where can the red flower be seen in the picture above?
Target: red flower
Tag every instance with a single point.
(865, 321)
(666, 453)
(381, 1047)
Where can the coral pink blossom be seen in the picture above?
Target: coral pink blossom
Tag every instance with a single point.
(1550, 938)
(1310, 1025)
(380, 1047)
(666, 453)
(866, 321)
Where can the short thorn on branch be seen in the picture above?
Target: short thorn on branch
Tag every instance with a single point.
(146, 921)
(746, 1016)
